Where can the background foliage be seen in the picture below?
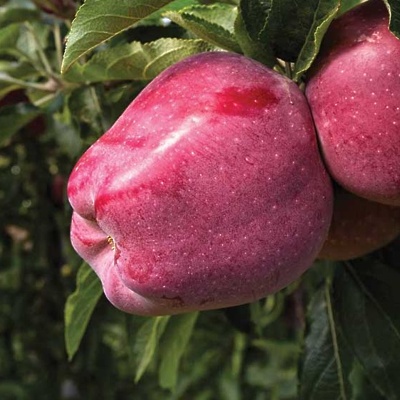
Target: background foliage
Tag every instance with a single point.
(334, 334)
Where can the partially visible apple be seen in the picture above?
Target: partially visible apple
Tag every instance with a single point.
(57, 190)
(359, 227)
(13, 97)
(353, 91)
(65, 9)
(208, 191)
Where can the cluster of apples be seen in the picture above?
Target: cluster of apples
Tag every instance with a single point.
(210, 190)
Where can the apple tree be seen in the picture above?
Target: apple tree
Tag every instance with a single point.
(200, 199)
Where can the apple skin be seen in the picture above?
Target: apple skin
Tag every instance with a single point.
(353, 91)
(359, 227)
(208, 191)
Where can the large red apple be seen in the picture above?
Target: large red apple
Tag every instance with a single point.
(354, 95)
(359, 227)
(207, 192)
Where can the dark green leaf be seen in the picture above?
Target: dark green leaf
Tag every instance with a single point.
(174, 341)
(390, 255)
(156, 17)
(255, 15)
(214, 23)
(252, 48)
(394, 7)
(99, 20)
(13, 390)
(367, 301)
(362, 387)
(147, 340)
(136, 61)
(15, 117)
(322, 18)
(326, 361)
(13, 76)
(17, 14)
(294, 30)
(9, 37)
(346, 5)
(279, 373)
(65, 132)
(79, 307)
(11, 71)
(33, 38)
(84, 105)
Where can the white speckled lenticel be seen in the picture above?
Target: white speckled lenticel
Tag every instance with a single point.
(354, 95)
(207, 192)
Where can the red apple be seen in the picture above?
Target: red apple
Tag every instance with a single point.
(353, 91)
(14, 97)
(359, 227)
(208, 191)
(65, 9)
(57, 190)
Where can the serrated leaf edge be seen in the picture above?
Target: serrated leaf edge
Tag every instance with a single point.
(65, 67)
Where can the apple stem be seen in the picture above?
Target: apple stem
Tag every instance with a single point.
(58, 44)
(97, 107)
(32, 85)
(111, 242)
(288, 69)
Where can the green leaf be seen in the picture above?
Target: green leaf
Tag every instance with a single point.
(367, 305)
(346, 5)
(99, 20)
(322, 18)
(156, 17)
(87, 107)
(79, 307)
(65, 132)
(362, 387)
(135, 61)
(292, 25)
(255, 14)
(32, 37)
(252, 48)
(277, 373)
(214, 23)
(174, 342)
(394, 7)
(10, 14)
(288, 30)
(9, 37)
(15, 117)
(147, 340)
(326, 361)
(390, 254)
(13, 390)
(15, 75)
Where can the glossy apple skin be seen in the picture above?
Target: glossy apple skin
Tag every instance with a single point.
(353, 91)
(359, 227)
(207, 192)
